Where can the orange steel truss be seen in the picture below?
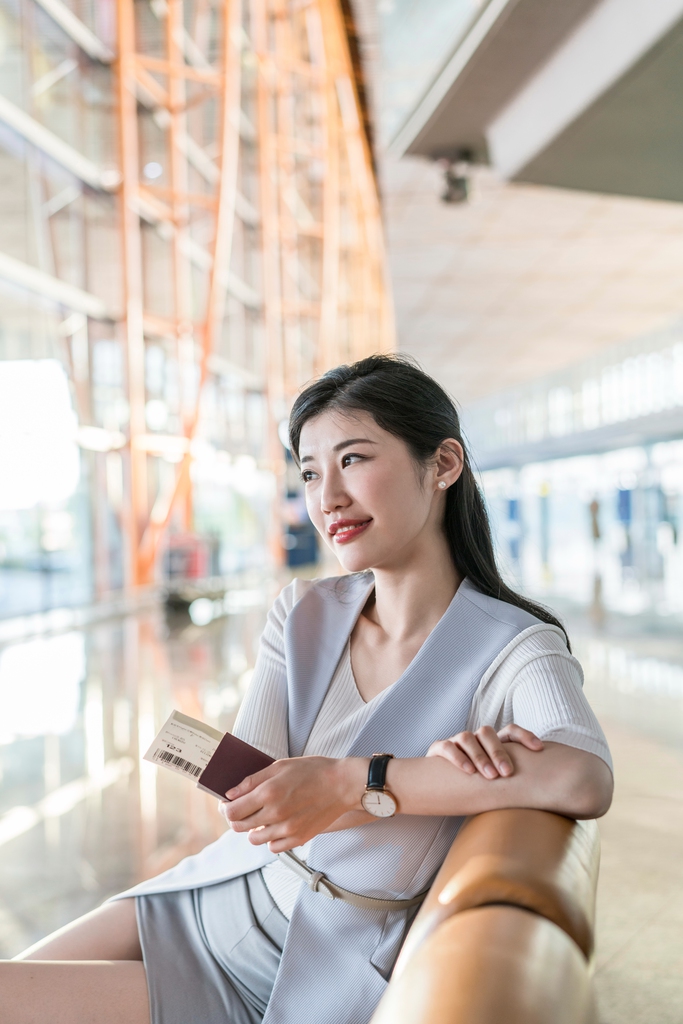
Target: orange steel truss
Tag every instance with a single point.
(250, 219)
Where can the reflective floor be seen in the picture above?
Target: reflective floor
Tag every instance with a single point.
(634, 680)
(82, 817)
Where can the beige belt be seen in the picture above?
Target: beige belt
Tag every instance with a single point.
(318, 882)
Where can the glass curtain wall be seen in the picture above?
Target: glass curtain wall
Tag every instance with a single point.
(190, 230)
(601, 526)
(55, 225)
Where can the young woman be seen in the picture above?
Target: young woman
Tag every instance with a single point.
(421, 652)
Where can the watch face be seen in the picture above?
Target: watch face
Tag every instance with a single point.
(379, 802)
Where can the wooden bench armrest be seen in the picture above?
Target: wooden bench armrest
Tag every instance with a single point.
(533, 860)
(492, 965)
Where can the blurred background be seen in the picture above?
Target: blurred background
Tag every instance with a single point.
(204, 204)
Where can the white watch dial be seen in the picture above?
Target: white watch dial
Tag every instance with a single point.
(379, 802)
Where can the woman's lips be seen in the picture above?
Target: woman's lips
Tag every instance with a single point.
(344, 530)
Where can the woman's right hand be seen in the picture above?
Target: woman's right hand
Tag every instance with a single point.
(483, 751)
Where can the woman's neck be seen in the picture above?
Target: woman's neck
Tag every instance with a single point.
(410, 599)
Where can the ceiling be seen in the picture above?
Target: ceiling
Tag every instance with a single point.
(504, 44)
(629, 141)
(522, 280)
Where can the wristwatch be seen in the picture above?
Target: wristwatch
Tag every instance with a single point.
(377, 799)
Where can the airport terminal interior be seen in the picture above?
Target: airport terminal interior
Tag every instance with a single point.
(207, 203)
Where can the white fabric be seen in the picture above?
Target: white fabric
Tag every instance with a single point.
(341, 717)
(536, 683)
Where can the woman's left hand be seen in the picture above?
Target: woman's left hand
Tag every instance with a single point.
(293, 800)
(483, 751)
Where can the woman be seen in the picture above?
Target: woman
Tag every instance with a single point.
(421, 640)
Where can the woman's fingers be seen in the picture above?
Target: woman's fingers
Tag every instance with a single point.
(516, 734)
(481, 752)
(248, 812)
(252, 781)
(466, 752)
(450, 751)
(247, 799)
(469, 743)
(302, 795)
(488, 753)
(484, 751)
(276, 836)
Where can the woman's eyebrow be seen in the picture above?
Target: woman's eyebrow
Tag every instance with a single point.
(352, 440)
(342, 444)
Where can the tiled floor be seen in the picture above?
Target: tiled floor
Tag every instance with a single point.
(81, 817)
(639, 963)
(634, 680)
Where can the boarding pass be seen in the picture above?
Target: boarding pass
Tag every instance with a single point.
(184, 745)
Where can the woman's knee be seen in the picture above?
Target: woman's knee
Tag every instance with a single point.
(108, 933)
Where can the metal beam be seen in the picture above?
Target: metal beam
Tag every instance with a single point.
(135, 520)
(661, 426)
(40, 283)
(221, 279)
(57, 149)
(77, 31)
(444, 81)
(196, 222)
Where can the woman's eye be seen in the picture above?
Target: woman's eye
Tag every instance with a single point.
(351, 457)
(307, 475)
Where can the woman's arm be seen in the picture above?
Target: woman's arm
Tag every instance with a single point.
(485, 751)
(294, 800)
(558, 778)
(262, 718)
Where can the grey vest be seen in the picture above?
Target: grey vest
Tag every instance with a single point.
(337, 958)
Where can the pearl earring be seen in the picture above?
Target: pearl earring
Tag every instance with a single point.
(442, 484)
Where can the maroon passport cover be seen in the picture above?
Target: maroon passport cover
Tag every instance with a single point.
(232, 762)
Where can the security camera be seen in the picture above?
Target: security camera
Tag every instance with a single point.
(456, 187)
(456, 176)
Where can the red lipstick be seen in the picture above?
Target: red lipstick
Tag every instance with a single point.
(345, 530)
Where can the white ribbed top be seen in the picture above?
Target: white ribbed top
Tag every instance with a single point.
(342, 715)
(534, 682)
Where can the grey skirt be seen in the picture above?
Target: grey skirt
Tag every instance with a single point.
(211, 954)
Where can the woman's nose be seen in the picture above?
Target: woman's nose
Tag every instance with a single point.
(333, 496)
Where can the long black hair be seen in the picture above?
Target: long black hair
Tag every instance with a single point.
(408, 403)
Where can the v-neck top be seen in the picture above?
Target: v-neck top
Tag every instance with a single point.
(342, 715)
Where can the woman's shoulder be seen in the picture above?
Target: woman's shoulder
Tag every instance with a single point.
(537, 657)
(495, 608)
(541, 640)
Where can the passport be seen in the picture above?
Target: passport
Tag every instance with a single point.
(232, 762)
(216, 761)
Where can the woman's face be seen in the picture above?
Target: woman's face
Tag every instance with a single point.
(365, 495)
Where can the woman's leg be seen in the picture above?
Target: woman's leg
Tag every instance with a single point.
(70, 992)
(108, 933)
(89, 972)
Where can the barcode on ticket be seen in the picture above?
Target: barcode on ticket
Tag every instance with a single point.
(178, 762)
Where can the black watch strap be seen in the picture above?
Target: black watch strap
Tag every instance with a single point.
(377, 772)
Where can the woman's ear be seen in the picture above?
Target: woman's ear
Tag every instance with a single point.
(450, 460)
